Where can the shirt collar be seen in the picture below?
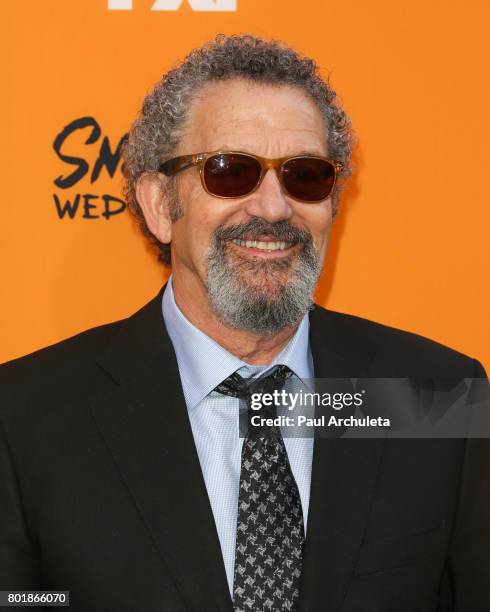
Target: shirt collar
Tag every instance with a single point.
(203, 363)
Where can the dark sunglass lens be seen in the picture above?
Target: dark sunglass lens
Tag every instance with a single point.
(231, 175)
(308, 178)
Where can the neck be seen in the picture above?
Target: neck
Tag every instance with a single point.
(251, 347)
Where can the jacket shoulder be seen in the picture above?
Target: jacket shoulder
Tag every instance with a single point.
(54, 371)
(393, 352)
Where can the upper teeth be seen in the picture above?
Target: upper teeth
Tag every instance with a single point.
(264, 246)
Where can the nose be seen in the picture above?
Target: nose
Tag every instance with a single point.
(268, 201)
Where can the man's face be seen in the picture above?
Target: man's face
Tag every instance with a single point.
(248, 286)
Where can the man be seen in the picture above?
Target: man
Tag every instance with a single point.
(124, 478)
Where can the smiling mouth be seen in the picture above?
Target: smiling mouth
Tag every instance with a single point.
(266, 246)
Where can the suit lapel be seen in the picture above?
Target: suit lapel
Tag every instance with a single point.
(344, 473)
(144, 422)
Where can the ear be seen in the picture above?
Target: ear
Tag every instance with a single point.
(153, 200)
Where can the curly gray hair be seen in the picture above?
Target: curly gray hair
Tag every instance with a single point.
(156, 132)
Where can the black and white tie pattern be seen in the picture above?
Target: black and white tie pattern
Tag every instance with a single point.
(270, 531)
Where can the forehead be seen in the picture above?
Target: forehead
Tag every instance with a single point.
(268, 120)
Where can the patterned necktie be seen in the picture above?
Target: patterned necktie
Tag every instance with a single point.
(270, 532)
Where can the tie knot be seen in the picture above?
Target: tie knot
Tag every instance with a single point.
(238, 386)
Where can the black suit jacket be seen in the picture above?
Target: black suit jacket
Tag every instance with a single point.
(101, 491)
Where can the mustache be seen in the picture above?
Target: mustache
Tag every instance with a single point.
(281, 230)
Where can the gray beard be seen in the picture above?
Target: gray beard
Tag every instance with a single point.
(262, 296)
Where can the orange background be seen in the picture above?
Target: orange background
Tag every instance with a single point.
(410, 246)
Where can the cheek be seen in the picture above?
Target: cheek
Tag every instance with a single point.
(204, 218)
(201, 217)
(196, 212)
(205, 213)
(318, 221)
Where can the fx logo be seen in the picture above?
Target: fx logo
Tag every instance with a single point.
(174, 5)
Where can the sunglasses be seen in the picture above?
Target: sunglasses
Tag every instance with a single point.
(233, 174)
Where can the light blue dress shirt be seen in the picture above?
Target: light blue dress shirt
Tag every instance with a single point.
(203, 364)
